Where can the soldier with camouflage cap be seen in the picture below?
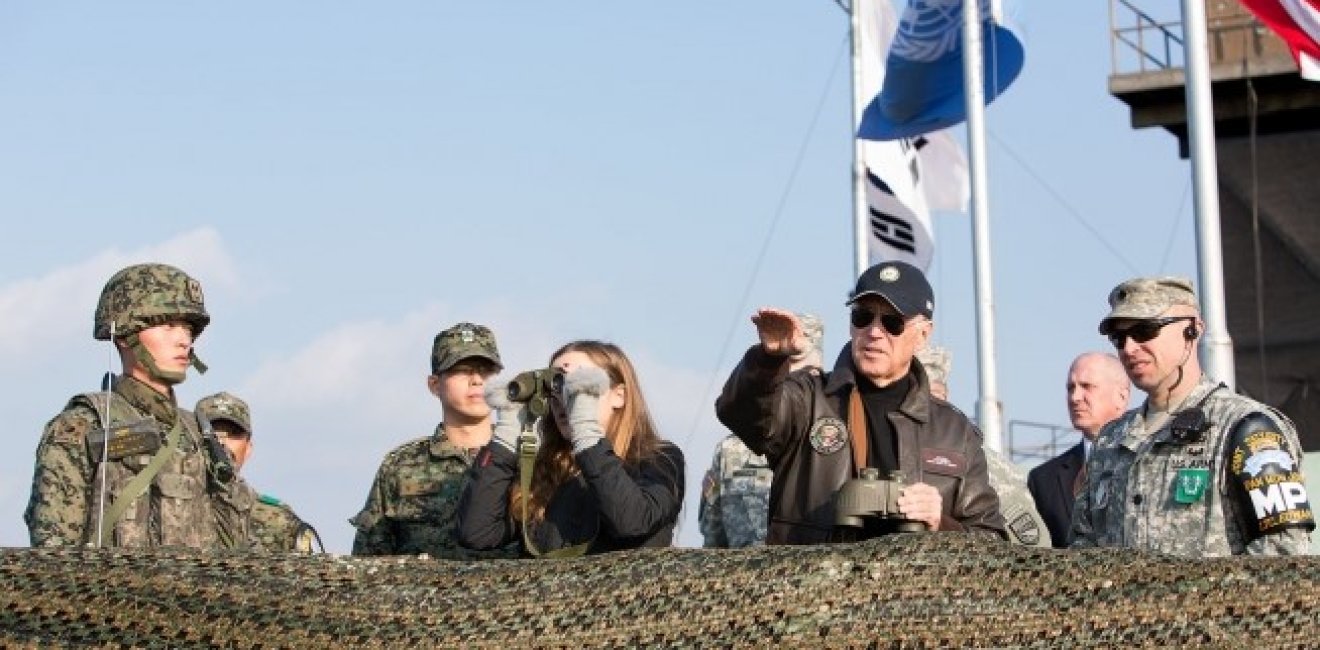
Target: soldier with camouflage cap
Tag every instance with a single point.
(412, 503)
(1196, 470)
(735, 493)
(127, 467)
(1025, 525)
(273, 525)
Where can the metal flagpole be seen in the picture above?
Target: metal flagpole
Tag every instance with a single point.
(1216, 345)
(861, 230)
(988, 409)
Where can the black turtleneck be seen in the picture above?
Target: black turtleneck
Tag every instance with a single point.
(882, 442)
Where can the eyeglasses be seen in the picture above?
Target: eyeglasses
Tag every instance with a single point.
(893, 323)
(1144, 330)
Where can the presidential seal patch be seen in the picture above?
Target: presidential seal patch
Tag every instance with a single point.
(828, 435)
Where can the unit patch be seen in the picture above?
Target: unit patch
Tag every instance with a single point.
(1270, 475)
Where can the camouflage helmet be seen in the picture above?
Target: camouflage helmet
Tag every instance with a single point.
(145, 295)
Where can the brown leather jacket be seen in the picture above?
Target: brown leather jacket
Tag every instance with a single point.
(774, 412)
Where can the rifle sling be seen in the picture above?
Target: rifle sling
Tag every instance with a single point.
(140, 483)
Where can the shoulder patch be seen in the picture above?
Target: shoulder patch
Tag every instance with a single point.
(1025, 530)
(1272, 479)
(72, 426)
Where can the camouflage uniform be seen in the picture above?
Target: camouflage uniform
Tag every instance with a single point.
(181, 505)
(273, 525)
(1144, 490)
(276, 527)
(1024, 523)
(413, 500)
(735, 494)
(1220, 475)
(735, 497)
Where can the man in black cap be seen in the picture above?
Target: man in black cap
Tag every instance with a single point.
(873, 410)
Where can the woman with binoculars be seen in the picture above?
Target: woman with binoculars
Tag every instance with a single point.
(602, 479)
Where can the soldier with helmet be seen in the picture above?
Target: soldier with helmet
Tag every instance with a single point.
(412, 504)
(126, 467)
(273, 525)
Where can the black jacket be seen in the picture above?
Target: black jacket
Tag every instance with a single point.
(774, 412)
(1051, 485)
(615, 506)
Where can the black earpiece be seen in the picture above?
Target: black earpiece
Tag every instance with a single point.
(1190, 333)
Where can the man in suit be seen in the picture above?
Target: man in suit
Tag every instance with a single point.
(1098, 391)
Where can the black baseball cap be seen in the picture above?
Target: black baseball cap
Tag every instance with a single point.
(902, 285)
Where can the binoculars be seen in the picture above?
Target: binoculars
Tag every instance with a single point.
(536, 387)
(867, 507)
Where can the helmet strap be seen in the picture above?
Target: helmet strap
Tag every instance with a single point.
(143, 355)
(197, 362)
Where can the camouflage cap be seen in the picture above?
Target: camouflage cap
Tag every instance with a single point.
(1147, 298)
(814, 329)
(146, 295)
(224, 406)
(463, 341)
(937, 361)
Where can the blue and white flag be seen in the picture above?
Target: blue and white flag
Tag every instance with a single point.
(904, 178)
(923, 82)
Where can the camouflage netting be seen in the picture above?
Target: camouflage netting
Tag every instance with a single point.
(911, 590)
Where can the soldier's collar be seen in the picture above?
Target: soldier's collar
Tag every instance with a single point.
(441, 447)
(149, 400)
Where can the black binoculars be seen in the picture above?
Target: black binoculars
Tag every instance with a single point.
(536, 387)
(867, 507)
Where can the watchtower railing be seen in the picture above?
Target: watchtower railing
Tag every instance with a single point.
(1034, 442)
(1142, 41)
(1148, 37)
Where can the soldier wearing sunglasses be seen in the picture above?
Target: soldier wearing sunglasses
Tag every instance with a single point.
(873, 410)
(1196, 470)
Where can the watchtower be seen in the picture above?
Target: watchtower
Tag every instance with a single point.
(1267, 132)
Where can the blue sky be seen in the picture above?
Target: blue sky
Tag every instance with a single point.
(348, 178)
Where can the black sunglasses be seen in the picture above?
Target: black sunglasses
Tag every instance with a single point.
(1144, 330)
(893, 323)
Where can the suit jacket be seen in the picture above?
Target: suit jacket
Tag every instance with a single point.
(1051, 485)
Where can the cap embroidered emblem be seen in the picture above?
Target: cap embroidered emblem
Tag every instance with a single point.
(467, 335)
(889, 274)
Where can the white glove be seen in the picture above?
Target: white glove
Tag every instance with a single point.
(583, 388)
(509, 416)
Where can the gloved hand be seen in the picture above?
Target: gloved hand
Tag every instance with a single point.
(583, 388)
(509, 416)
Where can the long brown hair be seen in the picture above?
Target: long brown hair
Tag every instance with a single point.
(631, 431)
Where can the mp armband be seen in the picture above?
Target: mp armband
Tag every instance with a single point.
(141, 438)
(1271, 477)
